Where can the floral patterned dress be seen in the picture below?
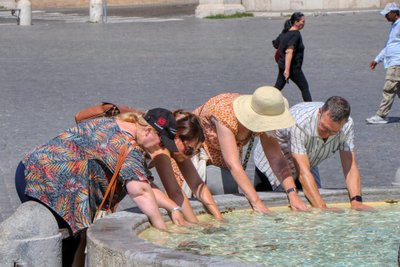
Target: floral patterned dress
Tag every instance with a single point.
(71, 172)
(220, 108)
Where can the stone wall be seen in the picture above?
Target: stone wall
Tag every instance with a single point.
(85, 3)
(228, 7)
(249, 5)
(285, 5)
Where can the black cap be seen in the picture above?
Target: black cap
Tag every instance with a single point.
(163, 121)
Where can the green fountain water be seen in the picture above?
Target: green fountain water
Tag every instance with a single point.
(315, 238)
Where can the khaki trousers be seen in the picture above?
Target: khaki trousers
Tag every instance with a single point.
(390, 89)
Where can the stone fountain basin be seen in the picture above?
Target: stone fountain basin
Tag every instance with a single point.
(114, 241)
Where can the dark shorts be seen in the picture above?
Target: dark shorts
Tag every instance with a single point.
(20, 185)
(70, 244)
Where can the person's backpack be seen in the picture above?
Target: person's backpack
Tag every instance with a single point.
(275, 44)
(276, 56)
(104, 109)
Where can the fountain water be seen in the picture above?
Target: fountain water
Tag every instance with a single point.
(114, 241)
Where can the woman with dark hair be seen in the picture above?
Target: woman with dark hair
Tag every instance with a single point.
(291, 53)
(189, 139)
(189, 130)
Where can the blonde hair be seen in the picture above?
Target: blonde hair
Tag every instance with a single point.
(133, 117)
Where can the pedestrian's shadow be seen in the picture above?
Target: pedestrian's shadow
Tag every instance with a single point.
(393, 119)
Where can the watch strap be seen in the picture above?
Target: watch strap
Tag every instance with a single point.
(290, 190)
(356, 198)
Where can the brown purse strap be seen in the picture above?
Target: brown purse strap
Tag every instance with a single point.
(112, 184)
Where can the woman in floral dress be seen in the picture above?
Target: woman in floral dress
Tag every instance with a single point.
(70, 173)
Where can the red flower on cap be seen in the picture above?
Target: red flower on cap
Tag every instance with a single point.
(161, 121)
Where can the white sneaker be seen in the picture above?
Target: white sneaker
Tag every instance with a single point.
(376, 120)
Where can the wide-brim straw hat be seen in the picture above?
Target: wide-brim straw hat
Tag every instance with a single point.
(265, 110)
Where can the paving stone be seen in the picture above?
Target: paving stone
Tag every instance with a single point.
(51, 70)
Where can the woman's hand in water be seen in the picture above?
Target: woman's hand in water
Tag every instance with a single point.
(259, 206)
(177, 218)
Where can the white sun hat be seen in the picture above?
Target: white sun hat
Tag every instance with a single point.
(265, 110)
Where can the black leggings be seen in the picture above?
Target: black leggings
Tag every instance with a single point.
(70, 244)
(297, 76)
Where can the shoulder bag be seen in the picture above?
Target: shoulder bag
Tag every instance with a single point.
(102, 210)
(104, 109)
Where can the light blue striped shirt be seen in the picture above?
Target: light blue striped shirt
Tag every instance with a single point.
(303, 139)
(390, 54)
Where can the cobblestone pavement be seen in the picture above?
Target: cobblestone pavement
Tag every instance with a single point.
(53, 69)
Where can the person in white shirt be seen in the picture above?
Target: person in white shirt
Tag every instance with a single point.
(321, 129)
(390, 55)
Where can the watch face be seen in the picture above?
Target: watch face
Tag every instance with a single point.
(357, 198)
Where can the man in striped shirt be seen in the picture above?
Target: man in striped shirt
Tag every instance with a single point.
(321, 129)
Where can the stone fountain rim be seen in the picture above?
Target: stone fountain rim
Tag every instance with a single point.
(114, 239)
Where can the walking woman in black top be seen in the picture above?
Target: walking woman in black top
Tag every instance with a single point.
(291, 52)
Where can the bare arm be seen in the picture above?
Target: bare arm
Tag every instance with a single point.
(231, 157)
(288, 61)
(199, 188)
(162, 162)
(281, 169)
(141, 193)
(165, 202)
(307, 180)
(353, 179)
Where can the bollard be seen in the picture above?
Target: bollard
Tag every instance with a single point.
(96, 11)
(25, 15)
(30, 237)
(396, 181)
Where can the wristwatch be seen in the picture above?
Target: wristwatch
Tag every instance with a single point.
(290, 190)
(356, 198)
(177, 208)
